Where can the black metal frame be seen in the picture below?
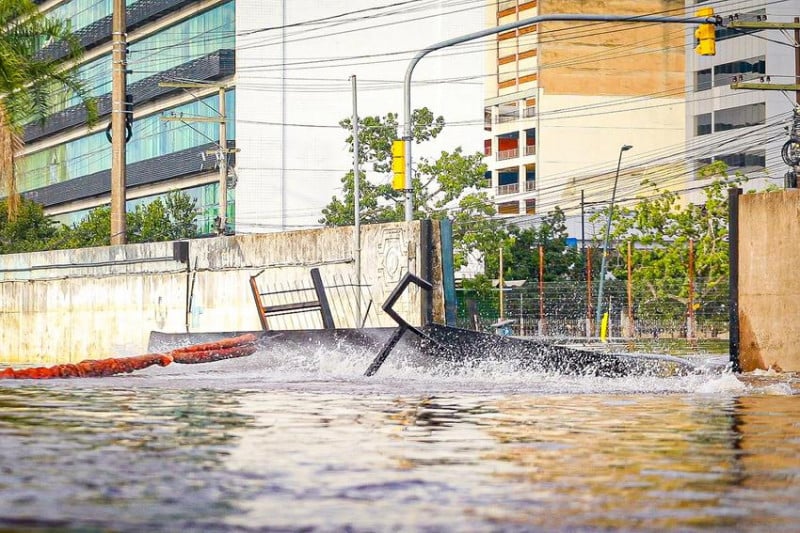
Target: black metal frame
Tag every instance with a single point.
(320, 304)
(402, 324)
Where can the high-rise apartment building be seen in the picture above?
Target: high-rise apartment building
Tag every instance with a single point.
(563, 98)
(285, 67)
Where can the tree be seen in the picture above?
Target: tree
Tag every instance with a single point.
(32, 78)
(561, 261)
(660, 228)
(160, 220)
(448, 187)
(31, 230)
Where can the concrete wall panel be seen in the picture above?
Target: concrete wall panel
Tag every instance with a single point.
(70, 305)
(769, 285)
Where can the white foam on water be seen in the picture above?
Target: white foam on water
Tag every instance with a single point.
(316, 366)
(725, 383)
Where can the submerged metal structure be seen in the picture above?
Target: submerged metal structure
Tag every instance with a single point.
(432, 344)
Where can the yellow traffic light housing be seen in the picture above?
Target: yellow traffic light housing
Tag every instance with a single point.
(706, 34)
(398, 165)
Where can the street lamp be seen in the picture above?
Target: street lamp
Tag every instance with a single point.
(599, 313)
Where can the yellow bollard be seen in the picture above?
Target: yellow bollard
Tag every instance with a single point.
(604, 327)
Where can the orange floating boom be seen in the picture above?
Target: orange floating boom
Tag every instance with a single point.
(240, 346)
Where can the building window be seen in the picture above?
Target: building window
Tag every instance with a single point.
(748, 68)
(724, 74)
(206, 199)
(530, 206)
(530, 108)
(507, 112)
(702, 80)
(740, 117)
(508, 146)
(152, 137)
(82, 13)
(507, 181)
(508, 208)
(745, 160)
(487, 118)
(729, 33)
(702, 124)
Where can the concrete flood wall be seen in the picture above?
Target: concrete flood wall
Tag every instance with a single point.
(768, 281)
(70, 305)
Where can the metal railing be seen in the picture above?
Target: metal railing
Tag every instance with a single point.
(507, 154)
(510, 188)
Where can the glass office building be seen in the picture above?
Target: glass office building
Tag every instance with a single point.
(67, 166)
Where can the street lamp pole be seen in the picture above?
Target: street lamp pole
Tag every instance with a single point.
(599, 311)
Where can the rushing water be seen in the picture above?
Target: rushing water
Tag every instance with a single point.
(307, 443)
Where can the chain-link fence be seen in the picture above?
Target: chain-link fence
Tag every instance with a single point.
(568, 309)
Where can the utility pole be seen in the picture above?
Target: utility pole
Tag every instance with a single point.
(222, 152)
(119, 71)
(764, 85)
(791, 149)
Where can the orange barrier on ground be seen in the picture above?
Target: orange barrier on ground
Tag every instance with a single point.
(198, 353)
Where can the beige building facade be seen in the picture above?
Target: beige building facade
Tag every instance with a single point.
(562, 98)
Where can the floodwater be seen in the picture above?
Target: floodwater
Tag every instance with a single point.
(306, 443)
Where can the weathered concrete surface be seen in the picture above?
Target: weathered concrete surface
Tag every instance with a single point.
(769, 284)
(70, 305)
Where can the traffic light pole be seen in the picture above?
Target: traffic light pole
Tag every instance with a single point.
(407, 127)
(789, 152)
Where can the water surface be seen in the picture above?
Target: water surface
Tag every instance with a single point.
(307, 443)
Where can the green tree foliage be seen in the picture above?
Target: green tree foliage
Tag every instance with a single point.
(31, 230)
(32, 81)
(165, 219)
(561, 262)
(447, 187)
(660, 227)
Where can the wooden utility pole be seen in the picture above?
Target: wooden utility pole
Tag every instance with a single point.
(541, 291)
(221, 153)
(631, 329)
(501, 282)
(119, 71)
(690, 310)
(589, 313)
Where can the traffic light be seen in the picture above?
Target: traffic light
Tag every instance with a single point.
(398, 165)
(706, 34)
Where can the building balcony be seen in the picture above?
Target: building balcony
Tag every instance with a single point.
(507, 154)
(511, 117)
(509, 188)
(530, 185)
(530, 149)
